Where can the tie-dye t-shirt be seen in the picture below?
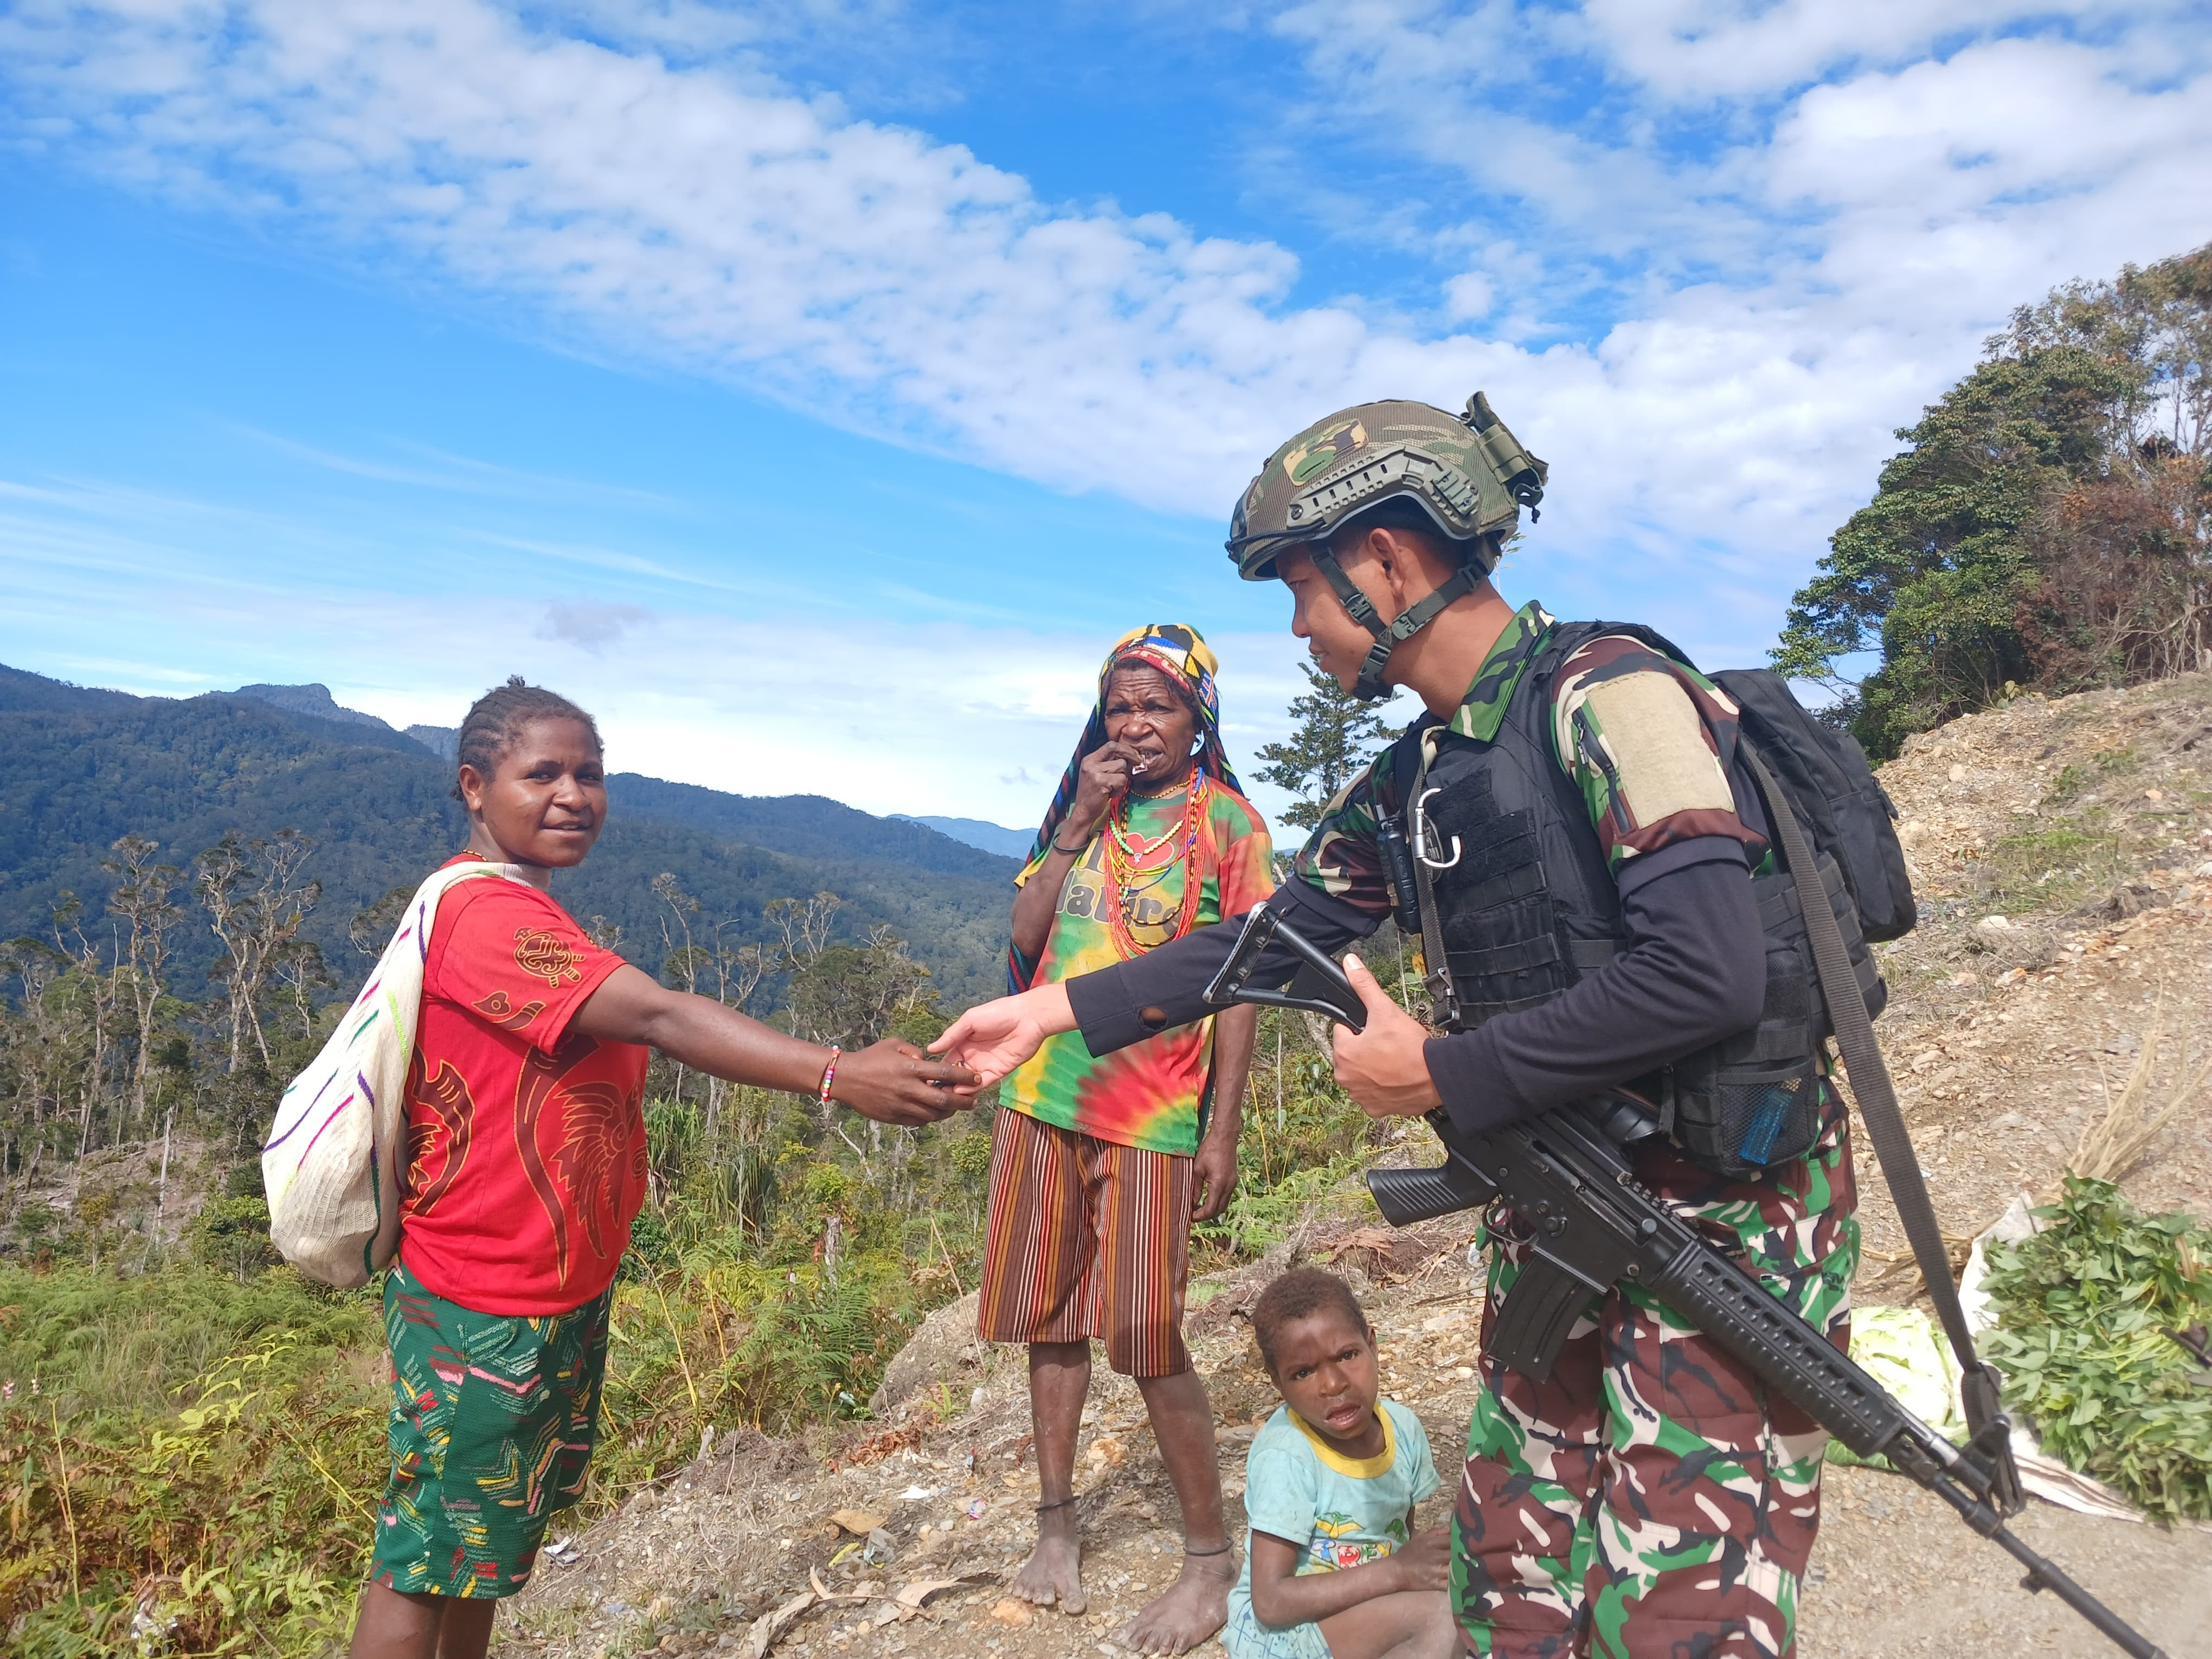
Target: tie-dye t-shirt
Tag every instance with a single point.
(1147, 1095)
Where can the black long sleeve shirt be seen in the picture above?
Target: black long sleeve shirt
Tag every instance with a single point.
(1694, 971)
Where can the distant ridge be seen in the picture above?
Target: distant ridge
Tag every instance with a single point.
(991, 838)
(88, 766)
(443, 741)
(807, 826)
(315, 700)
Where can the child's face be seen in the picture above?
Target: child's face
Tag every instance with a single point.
(1325, 1368)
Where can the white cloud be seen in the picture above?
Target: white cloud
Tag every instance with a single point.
(895, 716)
(590, 624)
(1468, 296)
(1701, 49)
(1816, 259)
(1863, 233)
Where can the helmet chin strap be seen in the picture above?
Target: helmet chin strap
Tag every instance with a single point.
(1387, 636)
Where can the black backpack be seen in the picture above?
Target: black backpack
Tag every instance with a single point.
(1825, 773)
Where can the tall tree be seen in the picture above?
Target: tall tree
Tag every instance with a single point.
(256, 900)
(142, 900)
(2047, 523)
(99, 987)
(850, 994)
(40, 1053)
(1334, 735)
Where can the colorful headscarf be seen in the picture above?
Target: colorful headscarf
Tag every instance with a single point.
(1183, 654)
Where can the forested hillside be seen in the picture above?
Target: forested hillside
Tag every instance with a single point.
(2048, 525)
(88, 767)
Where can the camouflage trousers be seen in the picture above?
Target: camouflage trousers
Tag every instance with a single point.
(1649, 1500)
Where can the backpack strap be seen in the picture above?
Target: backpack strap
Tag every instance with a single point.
(1978, 1390)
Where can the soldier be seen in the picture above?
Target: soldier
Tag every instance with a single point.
(1609, 917)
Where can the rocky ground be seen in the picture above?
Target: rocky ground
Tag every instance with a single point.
(2063, 852)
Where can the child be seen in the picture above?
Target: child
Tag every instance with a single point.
(1333, 1569)
(525, 1167)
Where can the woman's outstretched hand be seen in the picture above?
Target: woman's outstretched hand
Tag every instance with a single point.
(894, 1082)
(1385, 1067)
(993, 1037)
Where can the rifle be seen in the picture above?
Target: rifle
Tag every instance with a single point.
(1593, 1225)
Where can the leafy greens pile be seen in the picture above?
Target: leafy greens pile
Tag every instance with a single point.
(2084, 1309)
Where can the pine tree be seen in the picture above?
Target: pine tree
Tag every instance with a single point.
(1334, 735)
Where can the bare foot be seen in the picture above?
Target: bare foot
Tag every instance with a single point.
(1189, 1610)
(1054, 1572)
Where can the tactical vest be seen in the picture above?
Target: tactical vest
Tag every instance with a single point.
(1527, 908)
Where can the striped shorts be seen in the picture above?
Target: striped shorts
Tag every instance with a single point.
(1087, 1239)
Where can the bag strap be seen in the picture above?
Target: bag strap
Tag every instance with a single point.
(1893, 1143)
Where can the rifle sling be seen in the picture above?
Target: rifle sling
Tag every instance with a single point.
(1877, 1096)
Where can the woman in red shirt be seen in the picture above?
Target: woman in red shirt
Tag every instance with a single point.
(526, 1166)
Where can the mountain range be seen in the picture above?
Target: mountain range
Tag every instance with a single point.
(90, 766)
(991, 838)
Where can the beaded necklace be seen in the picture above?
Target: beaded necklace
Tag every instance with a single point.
(1135, 866)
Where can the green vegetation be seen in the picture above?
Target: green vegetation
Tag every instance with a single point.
(2049, 525)
(2075, 778)
(245, 1510)
(2085, 1312)
(2052, 868)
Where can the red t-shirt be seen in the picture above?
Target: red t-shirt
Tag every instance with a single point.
(526, 1141)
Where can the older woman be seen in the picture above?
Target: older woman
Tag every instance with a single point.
(1098, 1167)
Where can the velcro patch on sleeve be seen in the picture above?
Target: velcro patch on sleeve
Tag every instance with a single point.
(1657, 748)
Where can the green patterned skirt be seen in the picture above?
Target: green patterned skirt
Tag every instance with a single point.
(493, 1420)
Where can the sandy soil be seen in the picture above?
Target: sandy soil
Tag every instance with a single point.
(2083, 823)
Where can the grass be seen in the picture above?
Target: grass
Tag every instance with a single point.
(2078, 777)
(206, 1455)
(185, 1451)
(2052, 868)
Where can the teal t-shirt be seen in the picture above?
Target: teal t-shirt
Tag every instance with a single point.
(1338, 1510)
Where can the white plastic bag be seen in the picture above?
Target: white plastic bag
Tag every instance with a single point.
(334, 1159)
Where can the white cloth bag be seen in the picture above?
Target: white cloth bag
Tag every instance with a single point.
(335, 1156)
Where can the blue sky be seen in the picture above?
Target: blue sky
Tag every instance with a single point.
(814, 392)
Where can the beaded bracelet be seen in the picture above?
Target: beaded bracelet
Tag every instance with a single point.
(828, 1076)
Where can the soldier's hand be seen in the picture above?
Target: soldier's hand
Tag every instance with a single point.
(1385, 1067)
(991, 1038)
(1426, 1561)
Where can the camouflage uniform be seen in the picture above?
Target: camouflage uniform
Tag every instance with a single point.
(1647, 1499)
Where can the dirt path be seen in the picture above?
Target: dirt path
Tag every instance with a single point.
(2086, 823)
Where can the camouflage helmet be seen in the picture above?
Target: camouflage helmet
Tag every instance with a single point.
(1466, 475)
